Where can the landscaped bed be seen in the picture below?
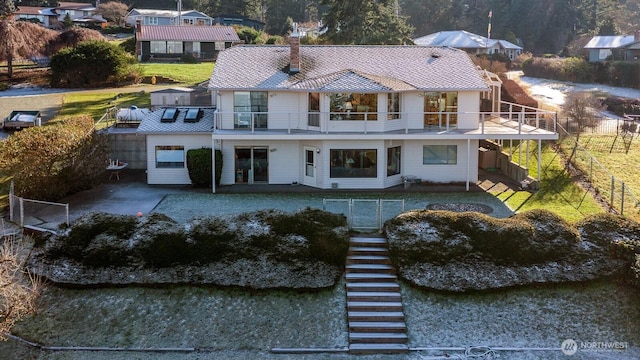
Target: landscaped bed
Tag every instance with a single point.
(266, 249)
(245, 322)
(451, 251)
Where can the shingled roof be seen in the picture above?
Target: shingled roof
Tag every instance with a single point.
(187, 33)
(354, 68)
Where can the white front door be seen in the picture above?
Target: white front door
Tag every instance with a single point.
(310, 166)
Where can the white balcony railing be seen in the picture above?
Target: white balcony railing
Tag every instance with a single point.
(521, 119)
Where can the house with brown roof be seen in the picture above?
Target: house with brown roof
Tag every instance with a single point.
(346, 117)
(161, 42)
(46, 17)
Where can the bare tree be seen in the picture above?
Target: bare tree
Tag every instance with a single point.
(582, 110)
(113, 11)
(18, 288)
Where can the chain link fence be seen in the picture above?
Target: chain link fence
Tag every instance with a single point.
(42, 214)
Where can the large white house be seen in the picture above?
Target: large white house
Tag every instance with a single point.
(348, 117)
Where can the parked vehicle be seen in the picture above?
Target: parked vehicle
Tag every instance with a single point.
(20, 119)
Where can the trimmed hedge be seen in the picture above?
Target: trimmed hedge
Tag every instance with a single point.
(527, 238)
(157, 241)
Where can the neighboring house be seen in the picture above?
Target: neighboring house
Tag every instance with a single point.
(230, 20)
(81, 14)
(623, 47)
(470, 42)
(47, 17)
(159, 42)
(347, 117)
(168, 17)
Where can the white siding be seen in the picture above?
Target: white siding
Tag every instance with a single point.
(412, 162)
(468, 102)
(172, 176)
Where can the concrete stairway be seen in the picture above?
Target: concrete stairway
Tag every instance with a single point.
(374, 304)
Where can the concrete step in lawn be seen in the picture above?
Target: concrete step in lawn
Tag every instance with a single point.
(373, 286)
(368, 241)
(374, 306)
(374, 302)
(356, 250)
(368, 259)
(374, 296)
(373, 338)
(370, 277)
(378, 348)
(370, 268)
(376, 315)
(378, 326)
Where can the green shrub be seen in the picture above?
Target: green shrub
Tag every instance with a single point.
(442, 236)
(91, 63)
(52, 161)
(167, 248)
(199, 167)
(219, 162)
(189, 59)
(212, 239)
(129, 45)
(83, 231)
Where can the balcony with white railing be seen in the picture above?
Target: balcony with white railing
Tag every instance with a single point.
(516, 120)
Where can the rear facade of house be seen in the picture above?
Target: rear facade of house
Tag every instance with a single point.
(349, 117)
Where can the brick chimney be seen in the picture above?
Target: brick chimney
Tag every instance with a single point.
(294, 42)
(636, 35)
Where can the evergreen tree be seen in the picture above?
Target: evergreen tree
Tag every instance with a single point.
(365, 22)
(67, 23)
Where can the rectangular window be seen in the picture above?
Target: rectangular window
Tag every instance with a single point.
(174, 47)
(353, 106)
(350, 163)
(248, 107)
(393, 106)
(314, 109)
(440, 109)
(158, 47)
(169, 156)
(151, 20)
(440, 154)
(393, 161)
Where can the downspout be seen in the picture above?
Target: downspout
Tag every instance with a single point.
(468, 161)
(213, 165)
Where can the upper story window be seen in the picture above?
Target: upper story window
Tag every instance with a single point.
(250, 107)
(353, 106)
(151, 20)
(440, 109)
(393, 106)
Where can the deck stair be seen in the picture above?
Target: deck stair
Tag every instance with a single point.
(375, 313)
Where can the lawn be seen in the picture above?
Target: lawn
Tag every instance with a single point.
(96, 103)
(184, 74)
(557, 193)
